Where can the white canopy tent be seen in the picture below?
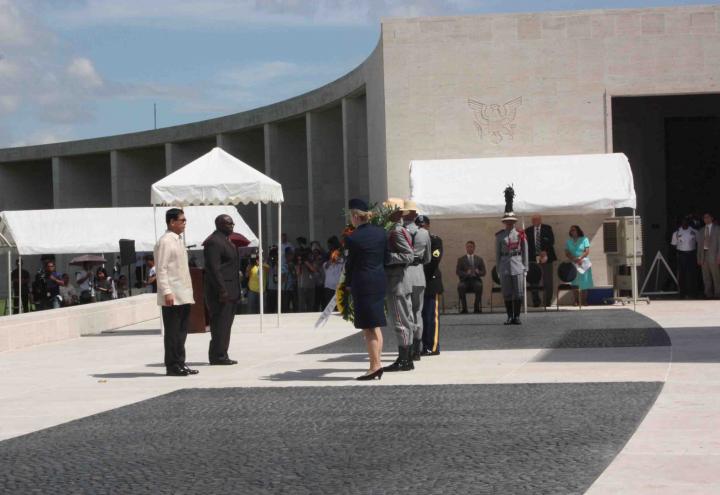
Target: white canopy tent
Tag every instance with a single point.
(562, 184)
(218, 178)
(98, 230)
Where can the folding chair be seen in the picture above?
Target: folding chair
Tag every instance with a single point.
(567, 272)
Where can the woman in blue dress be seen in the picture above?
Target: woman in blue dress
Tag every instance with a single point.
(577, 250)
(365, 276)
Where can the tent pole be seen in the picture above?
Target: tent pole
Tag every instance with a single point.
(634, 268)
(9, 297)
(261, 288)
(20, 284)
(279, 265)
(155, 221)
(524, 275)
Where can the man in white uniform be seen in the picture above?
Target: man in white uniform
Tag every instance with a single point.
(684, 240)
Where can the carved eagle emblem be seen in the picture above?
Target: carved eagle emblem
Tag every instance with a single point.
(495, 120)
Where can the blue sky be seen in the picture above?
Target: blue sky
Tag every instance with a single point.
(74, 69)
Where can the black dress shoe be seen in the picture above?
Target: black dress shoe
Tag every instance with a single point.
(189, 371)
(477, 311)
(375, 375)
(516, 321)
(176, 371)
(223, 362)
(509, 321)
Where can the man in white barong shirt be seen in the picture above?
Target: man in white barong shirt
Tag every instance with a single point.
(175, 293)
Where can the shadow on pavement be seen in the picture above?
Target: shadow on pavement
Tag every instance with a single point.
(126, 375)
(127, 333)
(314, 375)
(689, 345)
(162, 365)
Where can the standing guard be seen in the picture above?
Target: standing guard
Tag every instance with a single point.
(416, 273)
(399, 256)
(511, 257)
(433, 290)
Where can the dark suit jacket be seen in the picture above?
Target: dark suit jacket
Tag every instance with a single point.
(222, 268)
(547, 242)
(365, 263)
(433, 277)
(463, 264)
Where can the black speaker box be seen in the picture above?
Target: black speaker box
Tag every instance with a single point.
(127, 252)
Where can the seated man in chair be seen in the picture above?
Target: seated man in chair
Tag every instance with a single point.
(470, 270)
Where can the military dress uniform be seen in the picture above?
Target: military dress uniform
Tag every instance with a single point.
(416, 274)
(433, 290)
(511, 256)
(400, 256)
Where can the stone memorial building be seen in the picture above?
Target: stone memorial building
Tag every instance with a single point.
(643, 82)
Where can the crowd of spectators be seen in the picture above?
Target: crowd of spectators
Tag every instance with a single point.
(50, 288)
(309, 275)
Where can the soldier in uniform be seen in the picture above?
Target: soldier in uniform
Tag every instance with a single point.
(416, 273)
(511, 258)
(400, 256)
(433, 289)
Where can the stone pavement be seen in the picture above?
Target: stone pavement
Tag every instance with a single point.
(676, 447)
(456, 439)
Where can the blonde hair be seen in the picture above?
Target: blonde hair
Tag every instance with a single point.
(364, 216)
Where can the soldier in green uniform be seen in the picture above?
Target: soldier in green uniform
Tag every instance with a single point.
(511, 259)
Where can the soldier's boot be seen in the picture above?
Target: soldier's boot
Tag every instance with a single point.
(517, 306)
(403, 362)
(416, 350)
(509, 311)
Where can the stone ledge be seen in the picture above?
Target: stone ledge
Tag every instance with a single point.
(42, 327)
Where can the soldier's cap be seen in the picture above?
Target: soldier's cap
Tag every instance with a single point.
(358, 204)
(395, 203)
(422, 220)
(509, 217)
(409, 206)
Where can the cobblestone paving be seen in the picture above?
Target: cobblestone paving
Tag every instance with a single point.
(545, 330)
(454, 439)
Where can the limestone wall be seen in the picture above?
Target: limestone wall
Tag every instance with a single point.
(544, 79)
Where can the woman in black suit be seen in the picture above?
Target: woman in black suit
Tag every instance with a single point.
(365, 276)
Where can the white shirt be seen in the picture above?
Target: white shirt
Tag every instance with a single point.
(173, 271)
(333, 271)
(151, 273)
(684, 239)
(83, 286)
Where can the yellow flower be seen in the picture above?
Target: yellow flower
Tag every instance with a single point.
(340, 297)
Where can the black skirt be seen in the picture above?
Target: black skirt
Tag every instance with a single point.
(369, 310)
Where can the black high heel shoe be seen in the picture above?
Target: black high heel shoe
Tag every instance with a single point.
(372, 376)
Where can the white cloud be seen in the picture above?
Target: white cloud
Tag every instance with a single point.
(228, 13)
(45, 136)
(44, 82)
(82, 70)
(14, 29)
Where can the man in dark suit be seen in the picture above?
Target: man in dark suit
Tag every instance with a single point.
(433, 289)
(222, 287)
(470, 270)
(541, 250)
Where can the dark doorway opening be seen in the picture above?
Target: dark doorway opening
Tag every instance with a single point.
(673, 145)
